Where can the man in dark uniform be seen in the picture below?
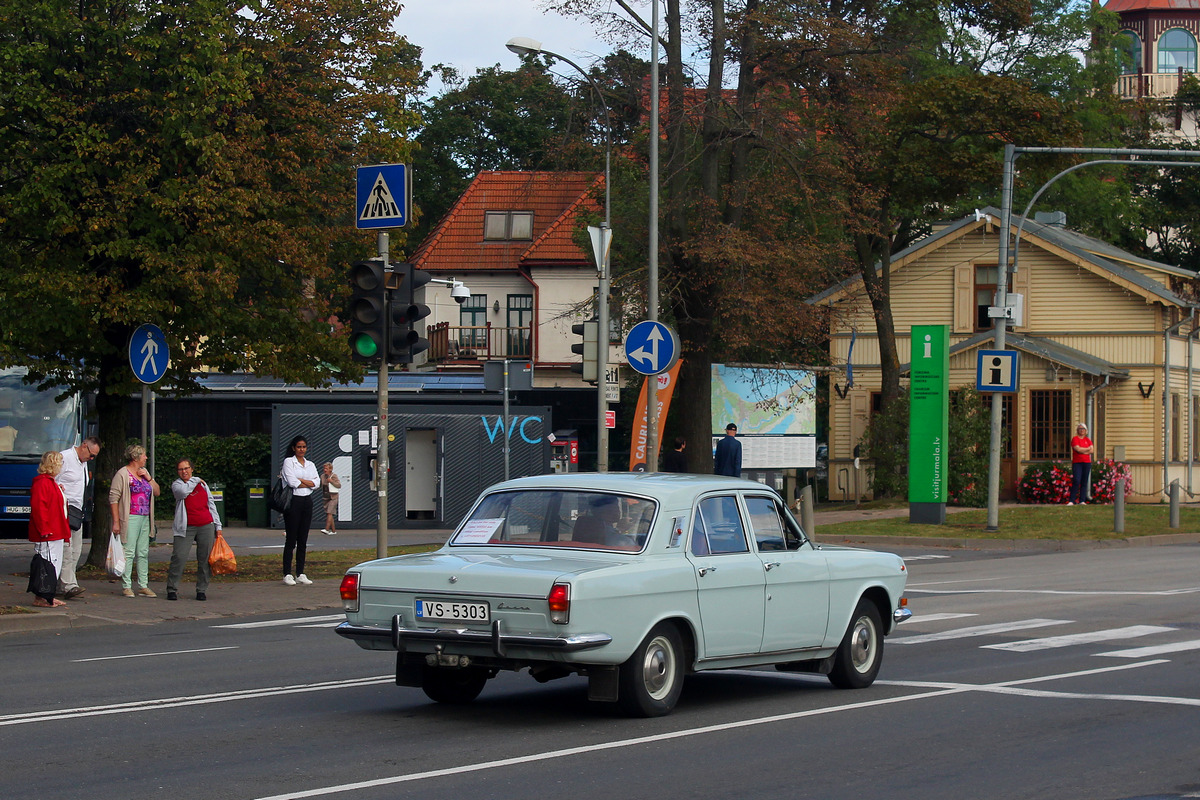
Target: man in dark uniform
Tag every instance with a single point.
(727, 460)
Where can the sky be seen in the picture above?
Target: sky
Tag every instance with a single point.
(469, 34)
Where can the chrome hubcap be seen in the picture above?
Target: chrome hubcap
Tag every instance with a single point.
(658, 669)
(862, 644)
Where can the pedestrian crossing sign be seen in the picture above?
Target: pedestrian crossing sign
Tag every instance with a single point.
(383, 196)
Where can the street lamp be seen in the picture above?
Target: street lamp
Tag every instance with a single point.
(523, 46)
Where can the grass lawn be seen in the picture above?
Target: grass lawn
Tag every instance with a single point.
(1069, 523)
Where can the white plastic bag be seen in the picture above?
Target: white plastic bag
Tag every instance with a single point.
(114, 563)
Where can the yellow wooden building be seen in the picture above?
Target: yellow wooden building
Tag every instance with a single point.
(1099, 333)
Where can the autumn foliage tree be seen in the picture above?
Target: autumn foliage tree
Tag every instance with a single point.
(188, 164)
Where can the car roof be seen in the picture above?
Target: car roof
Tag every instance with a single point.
(663, 485)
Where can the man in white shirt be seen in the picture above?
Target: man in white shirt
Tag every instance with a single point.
(73, 479)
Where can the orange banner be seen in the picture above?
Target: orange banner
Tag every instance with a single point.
(666, 387)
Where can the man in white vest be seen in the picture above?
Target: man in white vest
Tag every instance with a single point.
(73, 479)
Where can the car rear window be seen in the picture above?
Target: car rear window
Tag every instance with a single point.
(580, 519)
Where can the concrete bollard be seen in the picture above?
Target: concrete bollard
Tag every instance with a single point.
(1175, 503)
(1119, 507)
(807, 516)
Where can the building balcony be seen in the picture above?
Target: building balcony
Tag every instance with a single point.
(450, 344)
(1149, 85)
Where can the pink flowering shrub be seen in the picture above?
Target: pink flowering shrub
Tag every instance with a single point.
(1105, 475)
(1049, 482)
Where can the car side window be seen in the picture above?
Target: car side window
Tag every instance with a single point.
(771, 525)
(718, 527)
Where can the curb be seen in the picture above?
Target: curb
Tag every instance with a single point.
(1031, 545)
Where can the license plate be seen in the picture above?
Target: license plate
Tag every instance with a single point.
(452, 611)
(16, 509)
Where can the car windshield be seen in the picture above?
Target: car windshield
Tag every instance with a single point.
(583, 519)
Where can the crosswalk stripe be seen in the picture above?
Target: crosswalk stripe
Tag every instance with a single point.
(979, 630)
(937, 617)
(1069, 640)
(1154, 650)
(270, 623)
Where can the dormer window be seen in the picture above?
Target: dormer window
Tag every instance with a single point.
(501, 226)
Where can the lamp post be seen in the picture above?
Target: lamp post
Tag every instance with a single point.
(523, 45)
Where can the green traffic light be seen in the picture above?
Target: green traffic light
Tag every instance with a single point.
(365, 346)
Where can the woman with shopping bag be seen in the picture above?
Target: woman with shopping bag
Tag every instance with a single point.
(48, 529)
(196, 520)
(129, 502)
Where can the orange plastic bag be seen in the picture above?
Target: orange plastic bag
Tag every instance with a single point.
(221, 557)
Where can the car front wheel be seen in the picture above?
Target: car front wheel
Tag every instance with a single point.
(652, 678)
(453, 686)
(861, 651)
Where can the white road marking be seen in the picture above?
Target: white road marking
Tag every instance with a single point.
(978, 630)
(1154, 650)
(936, 617)
(1071, 639)
(195, 700)
(936, 690)
(923, 558)
(964, 580)
(1084, 593)
(148, 655)
(298, 621)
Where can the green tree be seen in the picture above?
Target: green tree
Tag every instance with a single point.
(500, 120)
(188, 164)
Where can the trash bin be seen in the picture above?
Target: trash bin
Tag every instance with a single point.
(256, 503)
(218, 496)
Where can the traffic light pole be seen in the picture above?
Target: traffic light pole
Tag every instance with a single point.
(381, 458)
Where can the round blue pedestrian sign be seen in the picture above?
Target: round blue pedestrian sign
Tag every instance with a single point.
(651, 348)
(148, 354)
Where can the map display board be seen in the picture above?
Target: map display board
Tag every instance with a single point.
(775, 410)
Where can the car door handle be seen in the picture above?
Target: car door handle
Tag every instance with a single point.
(770, 565)
(705, 570)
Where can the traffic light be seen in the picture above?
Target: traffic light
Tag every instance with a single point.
(406, 307)
(588, 348)
(368, 324)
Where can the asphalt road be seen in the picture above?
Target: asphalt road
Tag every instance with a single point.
(1053, 675)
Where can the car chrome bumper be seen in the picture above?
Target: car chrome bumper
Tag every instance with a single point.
(495, 639)
(900, 615)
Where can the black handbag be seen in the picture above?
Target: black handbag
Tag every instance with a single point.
(281, 496)
(42, 579)
(74, 516)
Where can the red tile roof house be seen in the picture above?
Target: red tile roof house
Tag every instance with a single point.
(510, 239)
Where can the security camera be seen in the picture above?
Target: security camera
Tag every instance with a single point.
(460, 293)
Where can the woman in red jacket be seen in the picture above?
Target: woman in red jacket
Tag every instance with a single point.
(48, 527)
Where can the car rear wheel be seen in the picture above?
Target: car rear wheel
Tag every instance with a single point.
(652, 678)
(454, 686)
(861, 652)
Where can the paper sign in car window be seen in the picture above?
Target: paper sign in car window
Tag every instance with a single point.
(478, 531)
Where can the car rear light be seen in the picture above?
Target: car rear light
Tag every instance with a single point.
(559, 601)
(349, 590)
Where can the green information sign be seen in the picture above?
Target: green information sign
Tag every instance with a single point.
(928, 422)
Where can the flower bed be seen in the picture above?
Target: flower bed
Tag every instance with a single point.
(1050, 482)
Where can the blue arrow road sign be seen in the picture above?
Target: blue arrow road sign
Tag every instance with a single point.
(382, 196)
(148, 354)
(651, 348)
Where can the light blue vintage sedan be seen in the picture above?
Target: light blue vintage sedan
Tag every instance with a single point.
(633, 580)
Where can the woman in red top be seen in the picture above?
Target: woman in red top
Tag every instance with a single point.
(1081, 465)
(196, 520)
(48, 527)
